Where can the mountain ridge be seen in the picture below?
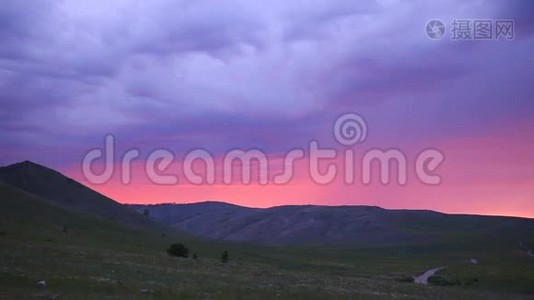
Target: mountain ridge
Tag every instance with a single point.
(316, 224)
(323, 205)
(278, 225)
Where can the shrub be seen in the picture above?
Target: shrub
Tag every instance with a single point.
(224, 257)
(178, 250)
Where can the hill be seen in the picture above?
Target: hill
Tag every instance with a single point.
(344, 225)
(99, 257)
(64, 192)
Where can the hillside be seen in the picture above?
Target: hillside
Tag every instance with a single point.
(64, 192)
(99, 258)
(346, 225)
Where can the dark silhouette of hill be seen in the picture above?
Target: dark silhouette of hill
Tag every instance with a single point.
(311, 224)
(59, 190)
(290, 225)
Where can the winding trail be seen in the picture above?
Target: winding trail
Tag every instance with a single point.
(423, 278)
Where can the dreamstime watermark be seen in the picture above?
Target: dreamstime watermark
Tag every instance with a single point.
(349, 130)
(472, 30)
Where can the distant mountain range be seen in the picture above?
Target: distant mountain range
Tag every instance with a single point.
(288, 225)
(343, 225)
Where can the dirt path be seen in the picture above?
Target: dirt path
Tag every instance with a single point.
(423, 279)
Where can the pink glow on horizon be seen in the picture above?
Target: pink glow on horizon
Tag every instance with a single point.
(490, 175)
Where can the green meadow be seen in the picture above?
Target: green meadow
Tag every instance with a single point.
(99, 259)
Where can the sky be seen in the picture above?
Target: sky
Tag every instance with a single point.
(273, 76)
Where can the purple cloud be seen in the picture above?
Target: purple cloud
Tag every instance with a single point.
(224, 74)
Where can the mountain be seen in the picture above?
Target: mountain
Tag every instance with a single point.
(77, 242)
(311, 224)
(282, 225)
(98, 259)
(59, 190)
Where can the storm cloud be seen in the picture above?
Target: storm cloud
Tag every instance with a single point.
(273, 75)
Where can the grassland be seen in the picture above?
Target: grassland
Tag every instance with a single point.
(98, 259)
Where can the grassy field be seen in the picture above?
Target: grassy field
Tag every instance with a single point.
(98, 259)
